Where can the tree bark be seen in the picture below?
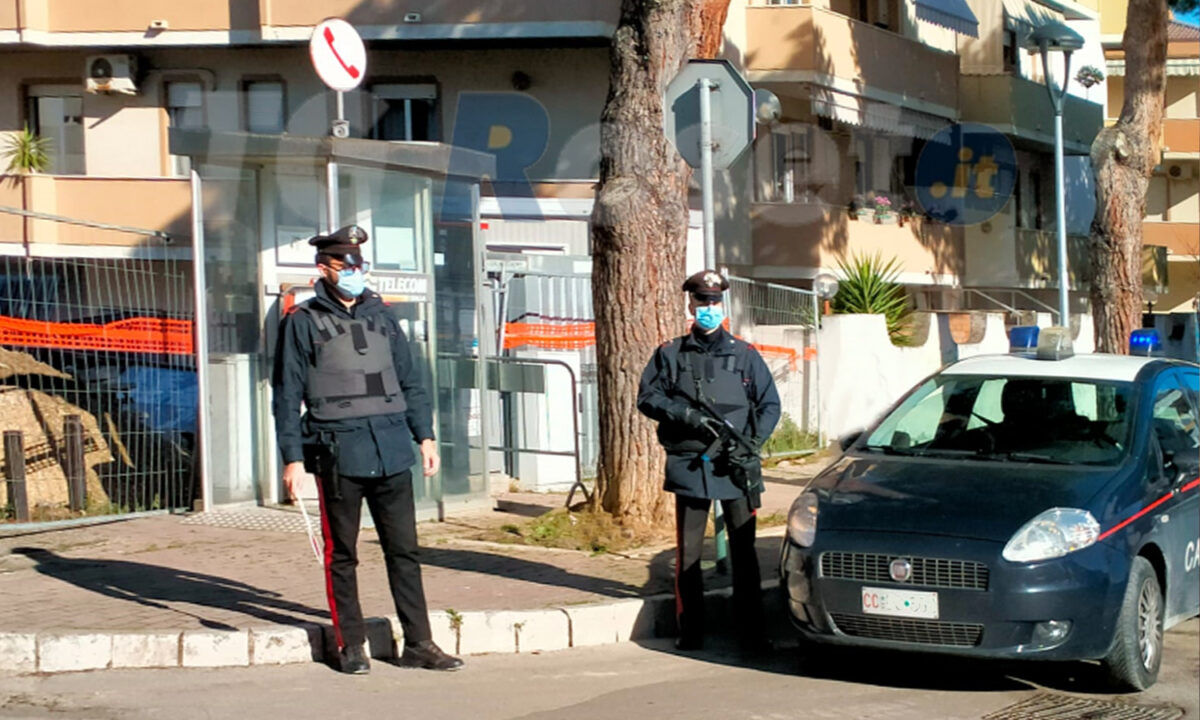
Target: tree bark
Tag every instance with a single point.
(1124, 157)
(639, 236)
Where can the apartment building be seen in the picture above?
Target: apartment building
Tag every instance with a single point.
(865, 87)
(1171, 230)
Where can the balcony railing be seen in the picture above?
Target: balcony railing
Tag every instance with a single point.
(825, 44)
(162, 204)
(1021, 107)
(1037, 259)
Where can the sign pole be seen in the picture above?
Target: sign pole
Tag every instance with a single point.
(707, 85)
(333, 210)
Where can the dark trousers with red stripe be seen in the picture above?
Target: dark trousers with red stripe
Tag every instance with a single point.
(691, 517)
(390, 501)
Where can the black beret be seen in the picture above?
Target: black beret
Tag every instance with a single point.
(706, 282)
(345, 241)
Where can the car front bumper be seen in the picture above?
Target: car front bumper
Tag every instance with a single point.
(1001, 620)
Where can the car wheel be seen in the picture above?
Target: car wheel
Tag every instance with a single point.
(1136, 654)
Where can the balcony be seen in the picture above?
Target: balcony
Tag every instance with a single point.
(1181, 136)
(1177, 238)
(453, 18)
(810, 236)
(293, 20)
(151, 204)
(810, 44)
(1037, 259)
(1021, 109)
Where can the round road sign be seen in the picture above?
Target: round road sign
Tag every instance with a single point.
(338, 54)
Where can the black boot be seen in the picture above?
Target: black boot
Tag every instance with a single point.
(354, 660)
(429, 656)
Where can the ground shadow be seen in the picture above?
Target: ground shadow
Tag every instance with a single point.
(171, 589)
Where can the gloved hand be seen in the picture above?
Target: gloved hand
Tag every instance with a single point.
(696, 420)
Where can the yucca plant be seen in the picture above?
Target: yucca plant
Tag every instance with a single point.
(869, 286)
(27, 152)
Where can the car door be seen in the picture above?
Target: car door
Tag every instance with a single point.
(1176, 435)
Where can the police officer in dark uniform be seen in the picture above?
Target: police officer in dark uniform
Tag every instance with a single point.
(710, 364)
(344, 355)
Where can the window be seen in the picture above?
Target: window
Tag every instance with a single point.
(404, 112)
(185, 109)
(265, 109)
(56, 113)
(1010, 49)
(1174, 418)
(1021, 419)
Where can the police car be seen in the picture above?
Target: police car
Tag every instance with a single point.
(1039, 505)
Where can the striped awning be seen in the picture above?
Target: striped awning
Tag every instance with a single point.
(1175, 67)
(857, 110)
(953, 14)
(1025, 15)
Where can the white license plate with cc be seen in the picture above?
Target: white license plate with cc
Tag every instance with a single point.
(900, 603)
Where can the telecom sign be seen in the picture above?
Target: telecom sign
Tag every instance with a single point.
(338, 55)
(966, 174)
(732, 112)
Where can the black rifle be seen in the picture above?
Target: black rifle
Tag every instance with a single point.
(733, 447)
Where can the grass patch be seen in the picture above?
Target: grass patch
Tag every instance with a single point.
(775, 519)
(585, 530)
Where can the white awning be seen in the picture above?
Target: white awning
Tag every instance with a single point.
(1175, 67)
(857, 110)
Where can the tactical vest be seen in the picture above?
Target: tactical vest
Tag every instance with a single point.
(722, 380)
(354, 374)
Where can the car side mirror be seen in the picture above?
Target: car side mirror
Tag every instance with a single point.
(849, 439)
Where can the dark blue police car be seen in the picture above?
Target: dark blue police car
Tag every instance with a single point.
(1035, 505)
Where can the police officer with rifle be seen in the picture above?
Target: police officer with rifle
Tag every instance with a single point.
(344, 355)
(715, 402)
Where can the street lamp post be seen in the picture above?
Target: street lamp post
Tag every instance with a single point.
(1058, 37)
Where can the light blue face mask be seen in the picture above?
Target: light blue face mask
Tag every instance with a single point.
(710, 317)
(351, 282)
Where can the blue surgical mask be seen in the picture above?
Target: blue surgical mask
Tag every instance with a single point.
(710, 317)
(351, 282)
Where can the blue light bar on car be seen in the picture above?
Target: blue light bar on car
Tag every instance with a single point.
(1023, 339)
(1145, 342)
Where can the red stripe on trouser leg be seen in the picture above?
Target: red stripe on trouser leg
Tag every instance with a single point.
(678, 559)
(327, 535)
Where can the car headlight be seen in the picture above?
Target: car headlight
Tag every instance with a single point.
(1054, 533)
(802, 520)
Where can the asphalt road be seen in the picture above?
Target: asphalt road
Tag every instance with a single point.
(625, 681)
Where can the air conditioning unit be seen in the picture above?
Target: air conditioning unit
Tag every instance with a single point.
(111, 74)
(1179, 171)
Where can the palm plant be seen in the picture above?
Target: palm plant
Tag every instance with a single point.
(27, 152)
(869, 286)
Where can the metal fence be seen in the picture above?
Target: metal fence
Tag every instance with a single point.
(98, 396)
(781, 322)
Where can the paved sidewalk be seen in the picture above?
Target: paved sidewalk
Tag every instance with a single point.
(233, 571)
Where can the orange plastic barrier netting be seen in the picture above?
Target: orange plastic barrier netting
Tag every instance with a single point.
(138, 335)
(575, 336)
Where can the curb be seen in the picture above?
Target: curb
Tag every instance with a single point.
(474, 632)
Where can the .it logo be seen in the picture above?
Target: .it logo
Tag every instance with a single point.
(966, 174)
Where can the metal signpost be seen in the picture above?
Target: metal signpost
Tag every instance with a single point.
(340, 59)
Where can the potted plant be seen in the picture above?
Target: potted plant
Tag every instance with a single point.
(856, 207)
(27, 153)
(1088, 76)
(907, 211)
(883, 209)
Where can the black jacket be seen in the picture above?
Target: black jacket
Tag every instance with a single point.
(662, 399)
(372, 446)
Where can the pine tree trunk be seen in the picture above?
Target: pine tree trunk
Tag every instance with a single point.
(1124, 157)
(639, 236)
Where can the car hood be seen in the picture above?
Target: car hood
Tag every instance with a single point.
(986, 500)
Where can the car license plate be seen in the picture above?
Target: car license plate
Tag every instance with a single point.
(900, 603)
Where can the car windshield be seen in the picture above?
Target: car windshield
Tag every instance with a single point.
(1019, 419)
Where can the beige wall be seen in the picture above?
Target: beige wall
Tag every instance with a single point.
(8, 14)
(136, 15)
(1182, 136)
(803, 236)
(124, 135)
(1112, 16)
(1181, 238)
(802, 38)
(1184, 198)
(1183, 97)
(357, 12)
(144, 203)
